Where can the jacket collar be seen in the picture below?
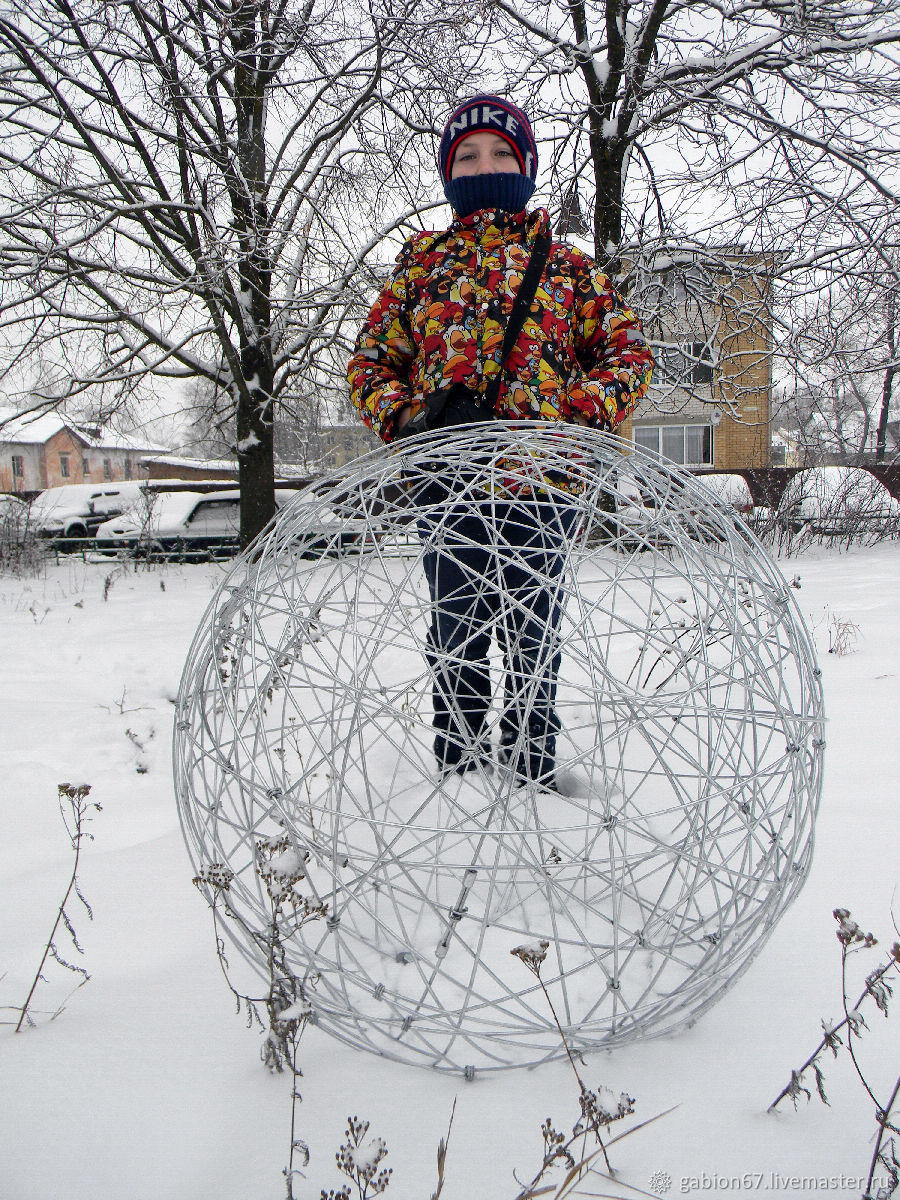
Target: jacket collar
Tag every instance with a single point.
(495, 225)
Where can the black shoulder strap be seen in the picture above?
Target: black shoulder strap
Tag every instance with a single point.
(521, 305)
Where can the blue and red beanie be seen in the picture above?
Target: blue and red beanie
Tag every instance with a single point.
(489, 114)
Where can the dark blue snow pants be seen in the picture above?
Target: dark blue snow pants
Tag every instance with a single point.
(496, 567)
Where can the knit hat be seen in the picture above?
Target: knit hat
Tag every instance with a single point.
(508, 190)
(489, 114)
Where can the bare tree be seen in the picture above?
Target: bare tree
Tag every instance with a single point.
(697, 111)
(843, 346)
(724, 159)
(207, 189)
(184, 186)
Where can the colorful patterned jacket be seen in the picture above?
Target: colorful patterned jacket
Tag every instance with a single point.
(441, 318)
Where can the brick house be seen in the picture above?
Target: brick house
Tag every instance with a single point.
(710, 403)
(40, 452)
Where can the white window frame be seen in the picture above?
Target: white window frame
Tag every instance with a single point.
(646, 444)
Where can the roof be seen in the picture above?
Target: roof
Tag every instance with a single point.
(206, 464)
(35, 429)
(283, 470)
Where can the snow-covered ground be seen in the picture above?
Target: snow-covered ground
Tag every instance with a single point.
(149, 1086)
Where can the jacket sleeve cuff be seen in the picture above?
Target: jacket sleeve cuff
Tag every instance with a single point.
(602, 405)
(385, 421)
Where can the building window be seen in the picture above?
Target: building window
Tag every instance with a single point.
(701, 362)
(678, 282)
(18, 471)
(684, 365)
(107, 469)
(127, 468)
(64, 466)
(85, 467)
(690, 445)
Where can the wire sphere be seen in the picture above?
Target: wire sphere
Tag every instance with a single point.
(688, 750)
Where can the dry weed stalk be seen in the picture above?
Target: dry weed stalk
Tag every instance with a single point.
(442, 1156)
(361, 1163)
(76, 812)
(842, 636)
(599, 1109)
(281, 868)
(877, 990)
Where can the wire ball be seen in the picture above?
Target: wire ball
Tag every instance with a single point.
(688, 753)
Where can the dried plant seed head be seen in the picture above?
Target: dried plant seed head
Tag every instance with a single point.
(849, 933)
(217, 875)
(532, 954)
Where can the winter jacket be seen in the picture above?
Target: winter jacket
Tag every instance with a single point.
(441, 318)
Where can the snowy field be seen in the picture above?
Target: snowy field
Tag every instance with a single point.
(149, 1086)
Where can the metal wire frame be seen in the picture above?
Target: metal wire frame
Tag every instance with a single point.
(689, 757)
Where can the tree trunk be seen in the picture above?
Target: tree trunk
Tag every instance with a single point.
(608, 157)
(887, 387)
(256, 405)
(884, 415)
(607, 145)
(256, 450)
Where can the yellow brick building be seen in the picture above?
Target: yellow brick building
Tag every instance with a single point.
(710, 403)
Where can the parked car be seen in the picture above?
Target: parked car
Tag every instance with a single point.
(838, 501)
(69, 514)
(732, 491)
(175, 524)
(696, 513)
(625, 520)
(332, 528)
(191, 525)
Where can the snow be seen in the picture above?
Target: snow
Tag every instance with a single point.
(35, 429)
(286, 863)
(294, 1011)
(366, 1157)
(208, 464)
(150, 1064)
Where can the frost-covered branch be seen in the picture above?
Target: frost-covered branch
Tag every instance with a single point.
(182, 186)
